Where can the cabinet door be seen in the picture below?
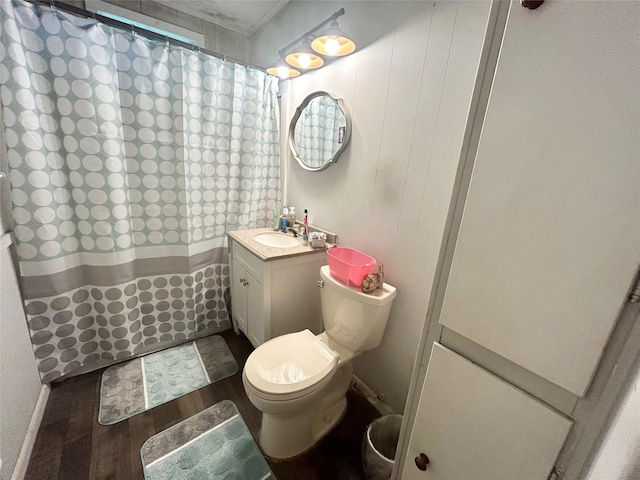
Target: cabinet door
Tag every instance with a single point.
(255, 311)
(473, 425)
(239, 296)
(548, 243)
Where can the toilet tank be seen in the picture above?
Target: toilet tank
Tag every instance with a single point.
(353, 319)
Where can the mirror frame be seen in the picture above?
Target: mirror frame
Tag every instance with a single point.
(296, 116)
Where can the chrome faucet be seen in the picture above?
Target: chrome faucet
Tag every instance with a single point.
(293, 230)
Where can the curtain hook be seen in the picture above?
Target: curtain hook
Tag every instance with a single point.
(95, 19)
(54, 9)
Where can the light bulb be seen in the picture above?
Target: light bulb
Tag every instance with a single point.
(332, 45)
(304, 60)
(283, 71)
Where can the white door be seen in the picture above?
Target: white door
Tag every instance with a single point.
(550, 235)
(472, 425)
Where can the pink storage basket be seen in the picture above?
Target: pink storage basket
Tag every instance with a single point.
(350, 266)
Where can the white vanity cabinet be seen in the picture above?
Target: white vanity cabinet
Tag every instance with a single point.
(275, 295)
(246, 299)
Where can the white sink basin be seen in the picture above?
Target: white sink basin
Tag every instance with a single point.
(277, 240)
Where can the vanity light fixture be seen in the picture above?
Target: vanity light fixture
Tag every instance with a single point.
(304, 57)
(307, 51)
(282, 70)
(333, 42)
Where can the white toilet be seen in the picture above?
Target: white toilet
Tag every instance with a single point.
(299, 381)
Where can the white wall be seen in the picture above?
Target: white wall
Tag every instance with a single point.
(216, 38)
(365, 22)
(408, 94)
(19, 380)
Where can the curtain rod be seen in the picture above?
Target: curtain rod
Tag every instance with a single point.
(53, 4)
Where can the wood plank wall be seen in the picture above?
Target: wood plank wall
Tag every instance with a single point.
(408, 94)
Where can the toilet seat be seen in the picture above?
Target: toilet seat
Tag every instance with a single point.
(290, 366)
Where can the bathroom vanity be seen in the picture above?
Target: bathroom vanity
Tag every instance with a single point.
(274, 290)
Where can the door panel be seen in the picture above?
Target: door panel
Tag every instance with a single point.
(239, 296)
(548, 243)
(255, 311)
(473, 425)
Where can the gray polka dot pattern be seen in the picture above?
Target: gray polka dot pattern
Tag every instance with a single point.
(118, 144)
(113, 323)
(116, 141)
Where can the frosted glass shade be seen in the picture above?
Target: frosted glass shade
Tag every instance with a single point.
(345, 45)
(297, 59)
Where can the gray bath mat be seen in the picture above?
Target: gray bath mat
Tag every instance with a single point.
(143, 383)
(214, 443)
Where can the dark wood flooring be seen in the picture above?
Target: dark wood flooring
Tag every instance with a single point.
(72, 445)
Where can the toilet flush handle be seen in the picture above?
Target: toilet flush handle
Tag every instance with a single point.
(321, 283)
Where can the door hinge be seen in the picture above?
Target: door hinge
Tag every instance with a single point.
(634, 296)
(556, 474)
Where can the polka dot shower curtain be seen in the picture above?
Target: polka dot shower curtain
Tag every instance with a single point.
(316, 133)
(129, 158)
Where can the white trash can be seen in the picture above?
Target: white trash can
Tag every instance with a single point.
(379, 447)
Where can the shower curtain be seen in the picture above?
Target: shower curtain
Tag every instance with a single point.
(129, 158)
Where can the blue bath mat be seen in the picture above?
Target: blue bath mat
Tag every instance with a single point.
(213, 444)
(140, 384)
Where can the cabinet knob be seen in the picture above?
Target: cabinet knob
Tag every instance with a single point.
(422, 461)
(242, 281)
(321, 283)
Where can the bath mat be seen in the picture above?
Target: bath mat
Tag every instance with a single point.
(143, 383)
(214, 443)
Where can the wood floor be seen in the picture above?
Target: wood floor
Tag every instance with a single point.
(72, 445)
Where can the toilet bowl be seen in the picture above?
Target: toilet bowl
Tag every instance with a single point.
(299, 381)
(297, 384)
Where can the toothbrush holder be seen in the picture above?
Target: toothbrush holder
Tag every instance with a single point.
(317, 242)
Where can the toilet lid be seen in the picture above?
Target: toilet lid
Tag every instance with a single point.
(290, 364)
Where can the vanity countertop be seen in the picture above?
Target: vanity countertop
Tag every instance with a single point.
(246, 238)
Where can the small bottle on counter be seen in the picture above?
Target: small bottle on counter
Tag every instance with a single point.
(305, 229)
(283, 219)
(291, 219)
(305, 222)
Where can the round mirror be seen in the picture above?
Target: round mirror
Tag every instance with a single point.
(320, 131)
